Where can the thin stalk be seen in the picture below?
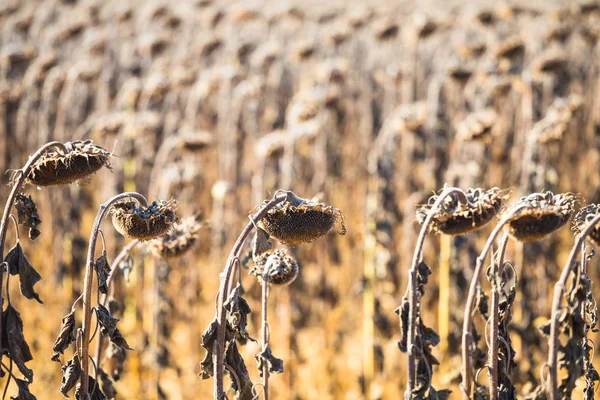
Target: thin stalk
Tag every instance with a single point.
(224, 287)
(559, 290)
(17, 184)
(468, 316)
(413, 291)
(124, 252)
(264, 340)
(87, 287)
(497, 270)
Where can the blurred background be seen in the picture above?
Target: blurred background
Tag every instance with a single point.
(370, 105)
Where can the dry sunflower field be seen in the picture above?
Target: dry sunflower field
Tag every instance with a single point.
(212, 199)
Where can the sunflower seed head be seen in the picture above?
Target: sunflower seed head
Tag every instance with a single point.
(276, 267)
(179, 240)
(82, 160)
(456, 218)
(144, 223)
(542, 214)
(297, 221)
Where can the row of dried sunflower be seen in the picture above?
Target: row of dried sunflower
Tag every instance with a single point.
(456, 212)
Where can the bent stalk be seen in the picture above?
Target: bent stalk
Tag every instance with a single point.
(559, 290)
(17, 184)
(124, 252)
(224, 287)
(87, 287)
(413, 291)
(466, 371)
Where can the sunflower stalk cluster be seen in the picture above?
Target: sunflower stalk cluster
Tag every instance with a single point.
(133, 218)
(54, 163)
(451, 212)
(290, 220)
(576, 319)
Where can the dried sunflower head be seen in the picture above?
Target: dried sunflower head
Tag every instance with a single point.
(81, 161)
(195, 141)
(543, 214)
(297, 220)
(456, 218)
(144, 223)
(583, 217)
(178, 240)
(277, 267)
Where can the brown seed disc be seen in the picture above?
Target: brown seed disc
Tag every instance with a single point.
(144, 223)
(178, 240)
(281, 268)
(544, 213)
(456, 218)
(82, 160)
(534, 226)
(304, 223)
(583, 217)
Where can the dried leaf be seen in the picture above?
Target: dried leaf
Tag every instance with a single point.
(13, 258)
(106, 384)
(403, 313)
(108, 327)
(423, 273)
(208, 339)
(207, 366)
(24, 393)
(28, 276)
(238, 311)
(261, 243)
(241, 382)
(93, 390)
(443, 394)
(65, 337)
(71, 373)
(14, 341)
(274, 364)
(102, 271)
(430, 337)
(27, 214)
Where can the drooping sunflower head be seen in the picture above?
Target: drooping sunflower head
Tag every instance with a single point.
(276, 267)
(542, 214)
(179, 240)
(82, 160)
(299, 221)
(455, 217)
(144, 223)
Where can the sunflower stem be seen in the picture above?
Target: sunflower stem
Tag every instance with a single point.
(88, 282)
(497, 270)
(224, 288)
(264, 339)
(413, 291)
(17, 184)
(467, 373)
(559, 290)
(124, 252)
